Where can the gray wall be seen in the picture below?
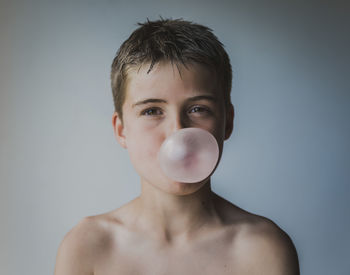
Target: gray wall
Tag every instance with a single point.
(288, 158)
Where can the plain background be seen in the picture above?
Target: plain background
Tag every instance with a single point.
(288, 158)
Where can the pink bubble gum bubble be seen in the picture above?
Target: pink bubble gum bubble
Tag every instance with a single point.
(189, 155)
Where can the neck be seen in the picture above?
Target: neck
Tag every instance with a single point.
(171, 217)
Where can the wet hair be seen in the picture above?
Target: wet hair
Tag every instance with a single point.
(176, 41)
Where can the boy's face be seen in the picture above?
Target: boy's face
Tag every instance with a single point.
(161, 102)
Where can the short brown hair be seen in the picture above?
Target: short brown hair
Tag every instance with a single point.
(177, 41)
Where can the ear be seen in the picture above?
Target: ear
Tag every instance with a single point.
(118, 127)
(230, 114)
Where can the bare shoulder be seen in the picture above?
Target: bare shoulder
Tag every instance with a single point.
(265, 248)
(259, 245)
(82, 246)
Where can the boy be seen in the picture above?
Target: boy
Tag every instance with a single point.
(169, 75)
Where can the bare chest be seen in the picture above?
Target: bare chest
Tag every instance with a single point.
(208, 258)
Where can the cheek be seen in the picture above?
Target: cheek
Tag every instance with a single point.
(143, 144)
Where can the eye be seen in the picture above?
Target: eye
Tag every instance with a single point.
(199, 109)
(152, 112)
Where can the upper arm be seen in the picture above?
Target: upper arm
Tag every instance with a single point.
(269, 250)
(75, 253)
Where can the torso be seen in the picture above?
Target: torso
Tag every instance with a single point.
(134, 254)
(122, 251)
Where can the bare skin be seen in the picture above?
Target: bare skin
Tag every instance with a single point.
(173, 227)
(232, 241)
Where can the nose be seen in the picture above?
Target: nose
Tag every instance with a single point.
(177, 123)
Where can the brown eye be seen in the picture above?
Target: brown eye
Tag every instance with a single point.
(151, 112)
(198, 109)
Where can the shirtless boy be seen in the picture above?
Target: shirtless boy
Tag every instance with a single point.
(169, 75)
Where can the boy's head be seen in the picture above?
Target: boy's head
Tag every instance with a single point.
(169, 75)
(178, 42)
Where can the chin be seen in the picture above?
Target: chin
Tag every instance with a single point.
(181, 188)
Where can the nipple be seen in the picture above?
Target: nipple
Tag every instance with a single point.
(189, 155)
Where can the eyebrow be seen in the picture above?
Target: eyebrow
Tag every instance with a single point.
(158, 100)
(149, 100)
(201, 97)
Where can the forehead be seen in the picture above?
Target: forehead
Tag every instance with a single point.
(167, 80)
